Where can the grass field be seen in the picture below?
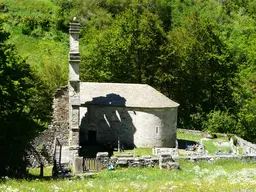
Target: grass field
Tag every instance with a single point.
(222, 175)
(210, 147)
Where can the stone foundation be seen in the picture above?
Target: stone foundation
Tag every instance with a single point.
(248, 147)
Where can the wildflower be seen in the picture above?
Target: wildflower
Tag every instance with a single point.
(196, 168)
(90, 184)
(69, 181)
(3, 187)
(173, 187)
(55, 188)
(141, 177)
(9, 188)
(169, 183)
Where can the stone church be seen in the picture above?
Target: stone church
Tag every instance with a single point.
(87, 113)
(136, 114)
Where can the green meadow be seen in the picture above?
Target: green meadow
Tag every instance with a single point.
(221, 175)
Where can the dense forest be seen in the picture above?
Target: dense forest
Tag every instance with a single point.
(200, 53)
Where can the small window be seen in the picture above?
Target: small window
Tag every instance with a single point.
(157, 130)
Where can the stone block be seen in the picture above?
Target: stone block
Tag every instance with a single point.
(103, 159)
(122, 163)
(155, 162)
(124, 155)
(172, 165)
(159, 151)
(146, 157)
(102, 154)
(74, 138)
(165, 158)
(148, 163)
(78, 165)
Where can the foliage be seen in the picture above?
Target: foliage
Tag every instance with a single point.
(127, 50)
(25, 108)
(199, 53)
(219, 122)
(33, 28)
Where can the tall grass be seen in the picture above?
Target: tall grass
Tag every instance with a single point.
(222, 175)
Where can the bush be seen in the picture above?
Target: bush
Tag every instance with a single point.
(25, 108)
(219, 122)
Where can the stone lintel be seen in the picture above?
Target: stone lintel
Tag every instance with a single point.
(74, 147)
(75, 102)
(75, 106)
(72, 79)
(75, 22)
(74, 53)
(74, 56)
(74, 62)
(74, 27)
(75, 129)
(74, 32)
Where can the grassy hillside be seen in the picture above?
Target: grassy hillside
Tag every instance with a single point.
(32, 25)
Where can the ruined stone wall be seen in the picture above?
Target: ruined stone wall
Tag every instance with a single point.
(43, 145)
(59, 122)
(194, 132)
(248, 147)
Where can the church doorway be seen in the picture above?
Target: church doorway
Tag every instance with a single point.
(91, 137)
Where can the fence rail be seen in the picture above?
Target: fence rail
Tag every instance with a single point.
(57, 157)
(91, 164)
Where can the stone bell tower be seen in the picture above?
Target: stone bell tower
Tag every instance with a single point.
(74, 89)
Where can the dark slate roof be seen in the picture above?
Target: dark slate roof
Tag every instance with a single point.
(121, 94)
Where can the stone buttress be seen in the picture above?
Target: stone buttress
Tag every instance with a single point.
(74, 89)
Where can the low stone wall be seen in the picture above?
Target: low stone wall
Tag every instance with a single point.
(105, 161)
(194, 132)
(248, 147)
(160, 150)
(165, 158)
(216, 157)
(136, 162)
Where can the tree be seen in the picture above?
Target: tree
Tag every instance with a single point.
(25, 108)
(127, 50)
(198, 69)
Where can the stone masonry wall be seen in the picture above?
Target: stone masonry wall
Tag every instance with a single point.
(248, 147)
(139, 127)
(43, 145)
(193, 132)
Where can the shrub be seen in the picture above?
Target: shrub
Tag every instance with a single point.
(219, 121)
